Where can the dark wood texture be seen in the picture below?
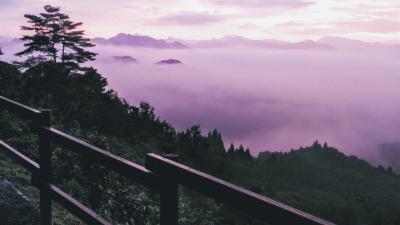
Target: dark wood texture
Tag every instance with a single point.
(20, 109)
(76, 208)
(45, 170)
(120, 165)
(26, 162)
(169, 204)
(253, 204)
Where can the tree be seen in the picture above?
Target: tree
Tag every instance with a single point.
(1, 52)
(231, 149)
(389, 170)
(317, 145)
(216, 143)
(55, 39)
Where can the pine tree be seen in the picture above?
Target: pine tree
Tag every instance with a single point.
(216, 143)
(248, 154)
(317, 145)
(1, 53)
(231, 149)
(55, 39)
(389, 170)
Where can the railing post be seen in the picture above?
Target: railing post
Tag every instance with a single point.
(168, 197)
(45, 170)
(169, 204)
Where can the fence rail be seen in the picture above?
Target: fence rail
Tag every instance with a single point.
(160, 174)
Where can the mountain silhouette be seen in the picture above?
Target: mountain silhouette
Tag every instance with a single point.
(139, 41)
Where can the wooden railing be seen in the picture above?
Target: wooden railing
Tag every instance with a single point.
(160, 174)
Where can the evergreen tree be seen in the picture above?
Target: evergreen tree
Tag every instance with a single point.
(389, 170)
(240, 152)
(231, 149)
(1, 53)
(216, 143)
(248, 154)
(55, 39)
(317, 145)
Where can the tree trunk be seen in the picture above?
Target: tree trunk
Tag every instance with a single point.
(63, 52)
(54, 45)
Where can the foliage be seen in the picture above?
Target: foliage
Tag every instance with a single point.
(55, 39)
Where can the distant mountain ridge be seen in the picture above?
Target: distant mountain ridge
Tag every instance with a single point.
(228, 41)
(144, 41)
(238, 41)
(139, 41)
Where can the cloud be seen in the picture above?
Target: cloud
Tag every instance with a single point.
(264, 3)
(305, 29)
(373, 26)
(189, 18)
(377, 26)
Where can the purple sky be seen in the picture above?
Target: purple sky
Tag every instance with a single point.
(290, 20)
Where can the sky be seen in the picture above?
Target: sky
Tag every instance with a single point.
(289, 20)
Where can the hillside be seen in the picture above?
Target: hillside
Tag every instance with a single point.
(317, 179)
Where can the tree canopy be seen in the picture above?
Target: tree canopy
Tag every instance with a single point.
(55, 39)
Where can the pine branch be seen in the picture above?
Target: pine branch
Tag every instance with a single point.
(56, 38)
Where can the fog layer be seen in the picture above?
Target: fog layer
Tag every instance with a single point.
(268, 99)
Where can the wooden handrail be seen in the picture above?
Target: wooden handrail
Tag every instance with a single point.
(81, 211)
(120, 165)
(75, 207)
(253, 204)
(160, 174)
(21, 110)
(26, 162)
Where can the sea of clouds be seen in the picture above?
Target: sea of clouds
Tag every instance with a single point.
(267, 99)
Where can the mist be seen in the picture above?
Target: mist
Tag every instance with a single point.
(268, 99)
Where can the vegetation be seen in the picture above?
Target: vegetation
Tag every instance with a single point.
(55, 39)
(317, 179)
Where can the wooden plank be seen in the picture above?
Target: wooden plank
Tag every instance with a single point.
(21, 158)
(120, 165)
(169, 204)
(76, 208)
(20, 109)
(45, 172)
(249, 202)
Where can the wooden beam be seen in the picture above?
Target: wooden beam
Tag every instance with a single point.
(253, 204)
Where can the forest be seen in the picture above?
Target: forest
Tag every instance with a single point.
(318, 179)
